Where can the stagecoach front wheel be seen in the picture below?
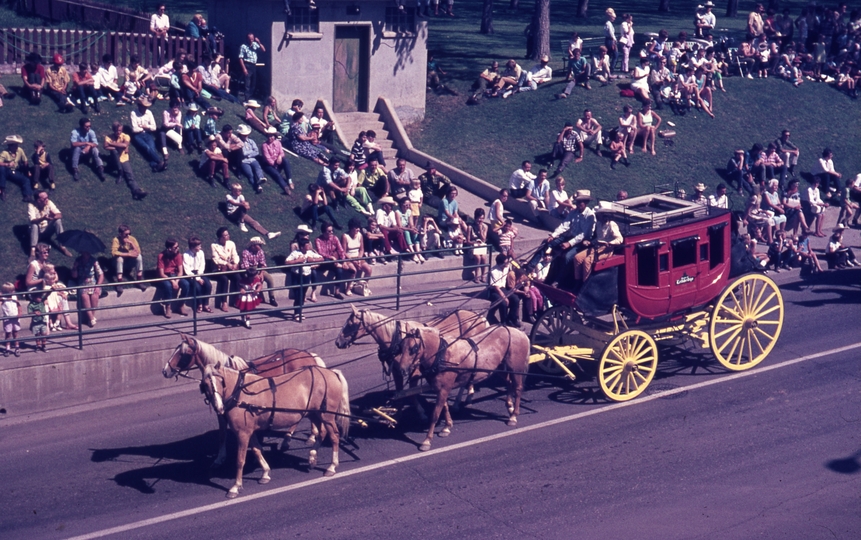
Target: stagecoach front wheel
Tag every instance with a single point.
(746, 322)
(628, 365)
(555, 327)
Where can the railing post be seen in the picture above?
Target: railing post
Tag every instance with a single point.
(194, 304)
(398, 287)
(80, 320)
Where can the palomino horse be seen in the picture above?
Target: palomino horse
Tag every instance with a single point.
(193, 353)
(360, 323)
(465, 361)
(251, 403)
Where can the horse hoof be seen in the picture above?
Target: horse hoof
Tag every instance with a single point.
(264, 480)
(512, 422)
(444, 433)
(232, 494)
(425, 447)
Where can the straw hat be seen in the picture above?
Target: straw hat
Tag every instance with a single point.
(13, 139)
(271, 131)
(251, 104)
(243, 129)
(583, 195)
(144, 101)
(700, 187)
(257, 240)
(193, 107)
(304, 228)
(387, 200)
(709, 3)
(213, 111)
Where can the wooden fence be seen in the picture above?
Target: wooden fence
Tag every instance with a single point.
(88, 46)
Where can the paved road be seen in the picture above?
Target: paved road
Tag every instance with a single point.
(774, 452)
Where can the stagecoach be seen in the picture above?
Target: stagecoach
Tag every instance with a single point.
(676, 276)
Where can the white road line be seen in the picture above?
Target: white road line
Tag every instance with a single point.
(458, 446)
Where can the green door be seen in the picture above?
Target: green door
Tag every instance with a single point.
(350, 72)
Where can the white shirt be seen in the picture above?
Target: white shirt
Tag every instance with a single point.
(193, 262)
(386, 220)
(309, 256)
(159, 22)
(556, 197)
(106, 76)
(824, 166)
(540, 74)
(718, 202)
(520, 179)
(143, 122)
(10, 306)
(225, 254)
(498, 276)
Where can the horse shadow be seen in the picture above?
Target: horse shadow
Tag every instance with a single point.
(188, 465)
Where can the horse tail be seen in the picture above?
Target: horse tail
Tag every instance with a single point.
(318, 360)
(343, 417)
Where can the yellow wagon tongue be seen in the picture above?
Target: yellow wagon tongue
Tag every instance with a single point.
(561, 354)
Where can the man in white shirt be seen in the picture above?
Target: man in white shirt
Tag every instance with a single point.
(522, 182)
(719, 199)
(590, 130)
(705, 20)
(824, 169)
(540, 194)
(159, 25)
(529, 80)
(194, 266)
(143, 128)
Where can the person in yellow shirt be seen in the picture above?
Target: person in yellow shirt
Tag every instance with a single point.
(117, 144)
(14, 168)
(42, 166)
(58, 79)
(125, 249)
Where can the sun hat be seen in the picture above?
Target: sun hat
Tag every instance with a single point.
(387, 200)
(144, 101)
(193, 107)
(271, 131)
(257, 240)
(13, 139)
(243, 129)
(214, 111)
(251, 104)
(304, 228)
(583, 195)
(700, 187)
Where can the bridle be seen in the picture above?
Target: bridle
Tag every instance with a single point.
(185, 359)
(351, 328)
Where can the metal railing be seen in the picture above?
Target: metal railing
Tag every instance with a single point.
(401, 290)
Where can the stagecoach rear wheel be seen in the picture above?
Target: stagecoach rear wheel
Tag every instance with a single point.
(746, 322)
(555, 327)
(628, 364)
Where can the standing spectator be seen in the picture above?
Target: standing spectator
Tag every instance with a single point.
(628, 128)
(143, 129)
(84, 89)
(755, 25)
(357, 152)
(738, 171)
(15, 168)
(58, 84)
(249, 165)
(250, 288)
(610, 38)
(704, 21)
(87, 272)
(275, 163)
(237, 212)
(253, 256)
(117, 143)
(226, 259)
(39, 319)
(194, 266)
(45, 220)
(476, 238)
(42, 166)
(33, 276)
(814, 207)
(34, 77)
(450, 221)
(85, 144)
(159, 26)
(626, 39)
(11, 311)
(170, 266)
(824, 169)
(303, 273)
(125, 249)
(248, 63)
(330, 249)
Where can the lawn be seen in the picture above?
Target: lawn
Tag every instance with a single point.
(489, 140)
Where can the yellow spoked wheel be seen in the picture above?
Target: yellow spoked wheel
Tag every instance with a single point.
(628, 365)
(746, 322)
(556, 326)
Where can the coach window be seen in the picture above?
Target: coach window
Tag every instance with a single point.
(717, 248)
(647, 263)
(685, 251)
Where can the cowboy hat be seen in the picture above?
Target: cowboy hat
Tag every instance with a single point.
(243, 129)
(251, 104)
(304, 228)
(583, 195)
(709, 3)
(387, 200)
(257, 240)
(193, 107)
(214, 111)
(144, 101)
(13, 139)
(700, 187)
(271, 131)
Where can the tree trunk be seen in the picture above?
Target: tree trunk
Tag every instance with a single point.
(487, 17)
(732, 8)
(542, 29)
(582, 8)
(664, 6)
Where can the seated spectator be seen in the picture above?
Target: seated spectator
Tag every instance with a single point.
(87, 272)
(738, 172)
(529, 80)
(230, 145)
(568, 147)
(226, 259)
(540, 193)
(773, 164)
(560, 204)
(476, 238)
(334, 267)
(601, 66)
(375, 179)
(661, 81)
(194, 266)
(838, 255)
(846, 82)
(579, 72)
(435, 73)
(192, 135)
(143, 128)
(400, 179)
(771, 203)
(171, 128)
(450, 221)
(522, 182)
(45, 221)
(58, 84)
(628, 128)
(357, 196)
(107, 79)
(303, 272)
(324, 128)
(354, 249)
(170, 265)
(719, 199)
(129, 90)
(139, 74)
(126, 251)
(376, 241)
(792, 206)
(314, 203)
(824, 169)
(807, 255)
(213, 159)
(505, 238)
(15, 168)
(779, 252)
(216, 81)
(788, 152)
(85, 144)
(275, 163)
(640, 82)
(83, 89)
(253, 256)
(237, 212)
(759, 222)
(33, 278)
(270, 116)
(508, 78)
(617, 150)
(590, 130)
(485, 82)
(659, 48)
(333, 181)
(192, 84)
(373, 150)
(758, 168)
(699, 195)
(388, 224)
(434, 185)
(249, 165)
(574, 44)
(304, 143)
(43, 167)
(34, 78)
(57, 300)
(357, 152)
(251, 117)
(648, 123)
(210, 124)
(407, 225)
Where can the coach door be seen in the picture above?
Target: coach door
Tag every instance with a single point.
(350, 69)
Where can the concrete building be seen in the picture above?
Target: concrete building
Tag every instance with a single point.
(348, 52)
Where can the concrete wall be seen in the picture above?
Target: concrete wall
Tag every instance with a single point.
(301, 65)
